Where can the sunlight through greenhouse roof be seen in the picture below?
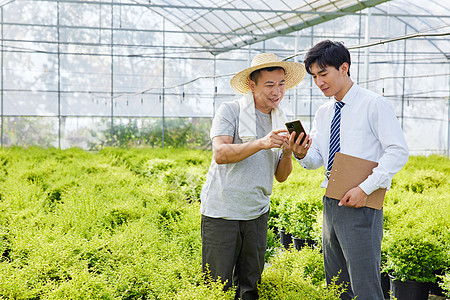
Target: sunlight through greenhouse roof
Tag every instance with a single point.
(233, 24)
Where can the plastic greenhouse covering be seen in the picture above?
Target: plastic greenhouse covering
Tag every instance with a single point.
(73, 71)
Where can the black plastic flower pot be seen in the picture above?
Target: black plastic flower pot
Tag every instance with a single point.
(285, 239)
(409, 290)
(435, 289)
(385, 284)
(300, 243)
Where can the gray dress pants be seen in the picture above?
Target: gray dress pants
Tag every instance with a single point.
(235, 252)
(352, 248)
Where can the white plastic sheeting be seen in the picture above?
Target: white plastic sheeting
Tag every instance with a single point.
(81, 62)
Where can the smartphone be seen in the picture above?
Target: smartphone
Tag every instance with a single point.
(297, 127)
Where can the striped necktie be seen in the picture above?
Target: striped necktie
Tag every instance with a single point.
(335, 143)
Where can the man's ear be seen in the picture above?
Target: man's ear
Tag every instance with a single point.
(344, 68)
(252, 85)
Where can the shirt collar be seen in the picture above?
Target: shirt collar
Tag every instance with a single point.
(351, 94)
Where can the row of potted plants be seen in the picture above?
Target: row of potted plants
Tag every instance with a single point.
(416, 243)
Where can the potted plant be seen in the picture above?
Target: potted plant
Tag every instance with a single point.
(274, 213)
(301, 219)
(278, 217)
(385, 281)
(282, 222)
(412, 257)
(316, 233)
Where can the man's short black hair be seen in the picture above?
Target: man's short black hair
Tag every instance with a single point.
(254, 76)
(327, 53)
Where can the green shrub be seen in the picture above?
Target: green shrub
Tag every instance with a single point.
(316, 233)
(280, 213)
(297, 275)
(303, 216)
(273, 244)
(125, 224)
(157, 165)
(296, 202)
(425, 179)
(297, 214)
(417, 222)
(414, 255)
(445, 284)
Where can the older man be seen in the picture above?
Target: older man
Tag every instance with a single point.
(247, 135)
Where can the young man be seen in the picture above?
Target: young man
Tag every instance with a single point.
(247, 135)
(360, 123)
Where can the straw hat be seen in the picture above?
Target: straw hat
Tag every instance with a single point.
(294, 72)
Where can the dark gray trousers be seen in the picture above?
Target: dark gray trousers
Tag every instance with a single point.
(352, 246)
(235, 251)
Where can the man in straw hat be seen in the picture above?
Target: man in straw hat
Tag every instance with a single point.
(363, 124)
(247, 136)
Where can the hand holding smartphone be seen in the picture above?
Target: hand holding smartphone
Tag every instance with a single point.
(297, 127)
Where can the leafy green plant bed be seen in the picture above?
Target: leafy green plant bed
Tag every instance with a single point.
(125, 224)
(416, 244)
(116, 224)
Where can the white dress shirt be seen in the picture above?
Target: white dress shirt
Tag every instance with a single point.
(369, 130)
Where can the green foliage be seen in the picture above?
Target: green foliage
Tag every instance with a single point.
(125, 224)
(116, 224)
(297, 213)
(414, 255)
(416, 205)
(79, 225)
(178, 133)
(316, 233)
(24, 131)
(302, 217)
(424, 180)
(445, 284)
(416, 220)
(297, 275)
(295, 203)
(273, 244)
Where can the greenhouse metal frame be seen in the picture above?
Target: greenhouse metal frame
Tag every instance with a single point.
(72, 72)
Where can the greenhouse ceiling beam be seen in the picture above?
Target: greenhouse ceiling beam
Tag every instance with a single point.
(191, 49)
(415, 29)
(4, 2)
(315, 21)
(413, 61)
(147, 30)
(209, 8)
(125, 29)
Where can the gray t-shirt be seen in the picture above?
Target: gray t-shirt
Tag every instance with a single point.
(239, 191)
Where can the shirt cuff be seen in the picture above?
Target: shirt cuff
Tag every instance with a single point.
(296, 157)
(368, 187)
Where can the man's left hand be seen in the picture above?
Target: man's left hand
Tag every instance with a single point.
(300, 150)
(354, 198)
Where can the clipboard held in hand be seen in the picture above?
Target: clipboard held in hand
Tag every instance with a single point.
(348, 172)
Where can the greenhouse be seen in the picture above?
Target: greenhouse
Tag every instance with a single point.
(106, 111)
(75, 73)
